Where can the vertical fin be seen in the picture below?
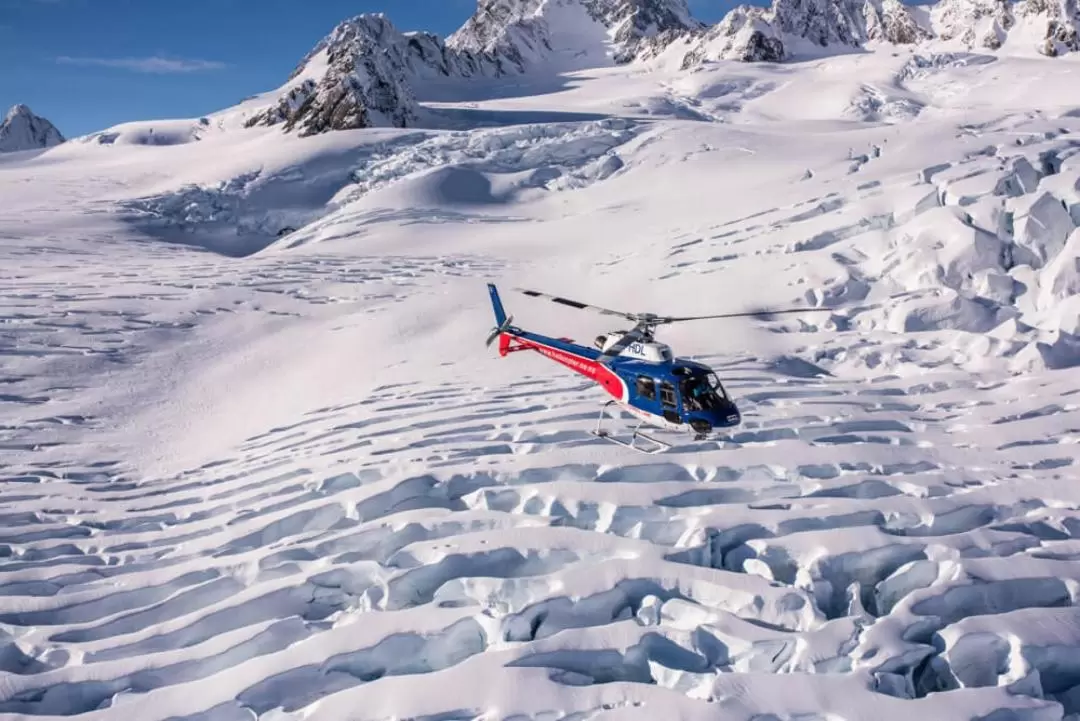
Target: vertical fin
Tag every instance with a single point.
(496, 304)
(502, 322)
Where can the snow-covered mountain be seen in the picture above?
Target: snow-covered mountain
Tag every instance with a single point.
(1060, 22)
(21, 129)
(354, 78)
(977, 24)
(1048, 26)
(365, 72)
(754, 34)
(361, 74)
(574, 33)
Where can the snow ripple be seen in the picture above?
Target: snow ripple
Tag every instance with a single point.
(675, 577)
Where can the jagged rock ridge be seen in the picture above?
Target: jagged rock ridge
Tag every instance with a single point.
(1062, 24)
(360, 74)
(524, 30)
(23, 130)
(354, 78)
(364, 72)
(744, 34)
(754, 34)
(975, 23)
(986, 24)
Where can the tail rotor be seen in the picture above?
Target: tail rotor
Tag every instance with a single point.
(499, 330)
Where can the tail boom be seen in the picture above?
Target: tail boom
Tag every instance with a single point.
(576, 358)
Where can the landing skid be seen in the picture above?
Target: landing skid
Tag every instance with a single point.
(658, 446)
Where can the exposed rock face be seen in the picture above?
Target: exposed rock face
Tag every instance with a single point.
(753, 34)
(643, 26)
(426, 55)
(359, 75)
(975, 23)
(352, 79)
(822, 22)
(1062, 19)
(509, 29)
(744, 34)
(986, 24)
(362, 74)
(22, 130)
(524, 31)
(891, 21)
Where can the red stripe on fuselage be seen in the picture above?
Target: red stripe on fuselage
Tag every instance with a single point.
(598, 372)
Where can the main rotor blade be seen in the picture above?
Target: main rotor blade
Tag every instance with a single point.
(649, 319)
(753, 313)
(576, 304)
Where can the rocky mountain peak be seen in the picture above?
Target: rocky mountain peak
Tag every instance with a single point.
(745, 34)
(1054, 25)
(364, 72)
(16, 110)
(977, 24)
(530, 31)
(361, 74)
(754, 34)
(23, 130)
(891, 21)
(1059, 21)
(353, 78)
(822, 22)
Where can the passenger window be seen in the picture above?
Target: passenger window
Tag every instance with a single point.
(667, 395)
(646, 387)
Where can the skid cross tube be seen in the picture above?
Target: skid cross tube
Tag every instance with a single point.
(658, 447)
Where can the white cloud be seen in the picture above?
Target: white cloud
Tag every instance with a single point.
(153, 64)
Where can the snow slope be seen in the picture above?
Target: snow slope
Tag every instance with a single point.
(258, 464)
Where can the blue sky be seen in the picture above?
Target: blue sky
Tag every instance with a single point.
(89, 64)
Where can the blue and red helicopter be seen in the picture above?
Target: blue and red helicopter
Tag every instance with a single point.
(642, 375)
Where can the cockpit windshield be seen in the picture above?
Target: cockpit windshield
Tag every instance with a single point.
(715, 386)
(703, 391)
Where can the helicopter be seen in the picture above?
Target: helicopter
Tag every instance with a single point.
(641, 374)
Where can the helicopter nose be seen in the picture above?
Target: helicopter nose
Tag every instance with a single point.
(728, 416)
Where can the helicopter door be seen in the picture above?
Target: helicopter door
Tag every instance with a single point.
(670, 402)
(646, 388)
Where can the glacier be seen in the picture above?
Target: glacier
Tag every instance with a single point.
(256, 463)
